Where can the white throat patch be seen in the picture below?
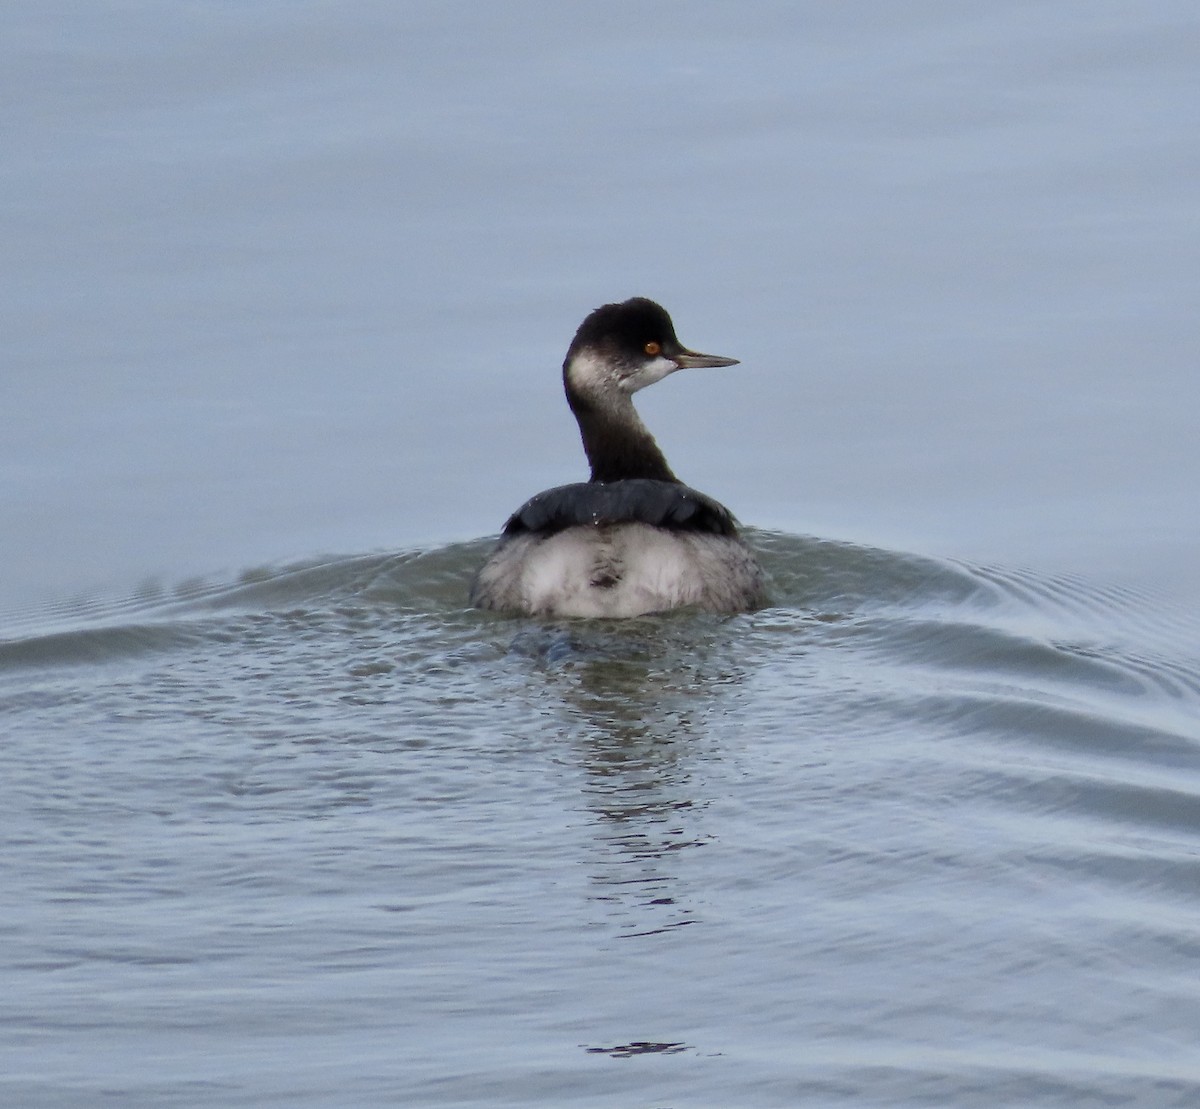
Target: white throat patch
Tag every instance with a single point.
(594, 376)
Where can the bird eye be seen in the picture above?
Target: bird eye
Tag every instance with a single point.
(652, 348)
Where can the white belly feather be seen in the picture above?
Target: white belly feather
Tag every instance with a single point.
(625, 569)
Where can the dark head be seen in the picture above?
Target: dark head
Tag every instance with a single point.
(619, 349)
(629, 346)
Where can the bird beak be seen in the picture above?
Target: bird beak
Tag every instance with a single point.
(689, 360)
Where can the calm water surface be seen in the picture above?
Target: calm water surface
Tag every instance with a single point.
(289, 828)
(920, 833)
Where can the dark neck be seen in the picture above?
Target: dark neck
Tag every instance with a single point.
(616, 442)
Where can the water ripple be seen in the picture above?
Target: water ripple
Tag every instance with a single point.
(913, 796)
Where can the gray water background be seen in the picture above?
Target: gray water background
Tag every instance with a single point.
(285, 296)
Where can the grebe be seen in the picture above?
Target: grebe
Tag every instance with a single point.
(634, 539)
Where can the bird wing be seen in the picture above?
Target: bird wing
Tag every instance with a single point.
(663, 504)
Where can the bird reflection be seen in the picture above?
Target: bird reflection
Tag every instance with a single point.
(645, 703)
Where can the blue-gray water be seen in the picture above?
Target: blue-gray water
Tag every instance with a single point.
(285, 827)
(921, 833)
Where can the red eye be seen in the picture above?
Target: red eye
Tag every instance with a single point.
(652, 348)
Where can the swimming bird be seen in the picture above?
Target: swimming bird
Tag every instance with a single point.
(634, 539)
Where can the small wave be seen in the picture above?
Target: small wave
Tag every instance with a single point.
(903, 624)
(91, 645)
(156, 619)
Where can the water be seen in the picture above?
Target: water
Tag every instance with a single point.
(918, 833)
(285, 827)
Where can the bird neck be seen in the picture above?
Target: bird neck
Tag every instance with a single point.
(618, 445)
